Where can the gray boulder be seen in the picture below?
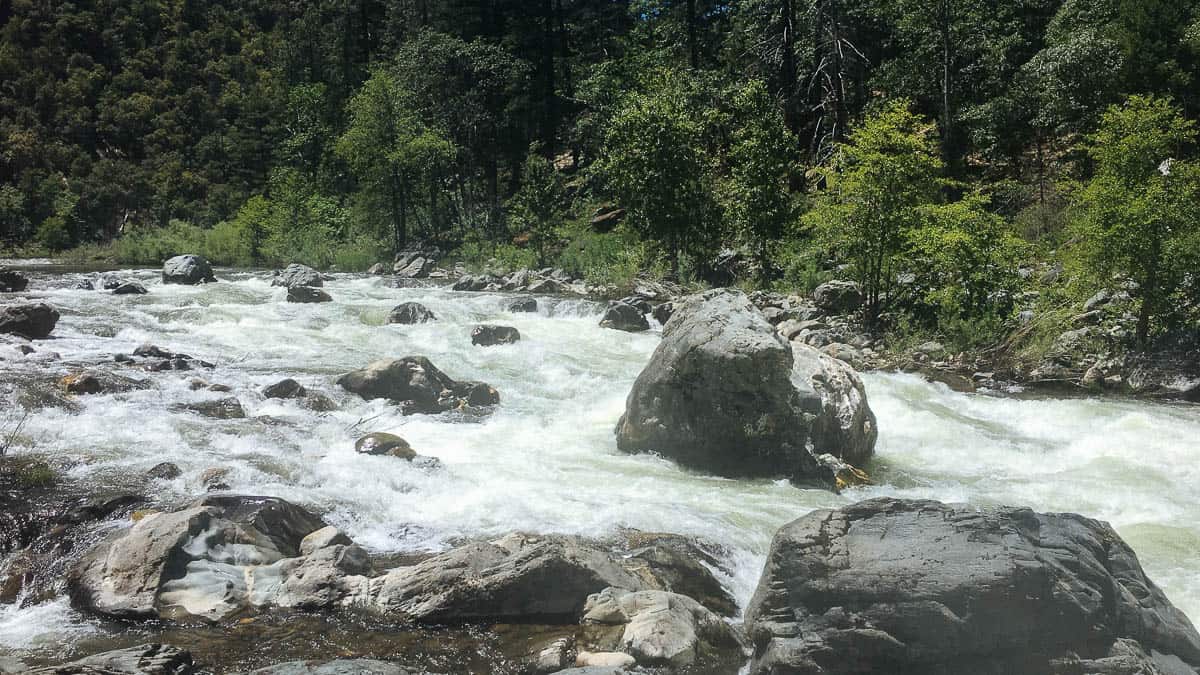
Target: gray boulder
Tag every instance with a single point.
(418, 267)
(417, 385)
(12, 281)
(285, 388)
(130, 288)
(148, 659)
(410, 313)
(659, 628)
(624, 316)
(307, 294)
(297, 275)
(523, 305)
(487, 335)
(382, 443)
(838, 297)
(188, 270)
(725, 393)
(902, 586)
(35, 321)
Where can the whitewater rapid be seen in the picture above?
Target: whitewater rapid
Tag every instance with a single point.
(546, 460)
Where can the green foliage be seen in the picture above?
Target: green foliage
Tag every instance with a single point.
(537, 208)
(880, 184)
(1139, 217)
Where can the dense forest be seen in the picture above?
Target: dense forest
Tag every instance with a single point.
(946, 154)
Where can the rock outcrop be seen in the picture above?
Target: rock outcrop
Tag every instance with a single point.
(724, 392)
(35, 321)
(417, 385)
(188, 270)
(901, 586)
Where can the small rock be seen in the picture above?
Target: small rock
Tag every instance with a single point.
(12, 281)
(838, 297)
(307, 294)
(382, 443)
(523, 305)
(626, 317)
(85, 285)
(410, 313)
(378, 269)
(1101, 298)
(222, 409)
(287, 388)
(164, 471)
(213, 478)
(604, 660)
(662, 313)
(488, 335)
(130, 288)
(323, 538)
(82, 383)
(318, 402)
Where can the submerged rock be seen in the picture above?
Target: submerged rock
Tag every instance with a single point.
(34, 321)
(902, 586)
(188, 270)
(147, 659)
(625, 316)
(488, 335)
(724, 392)
(297, 275)
(410, 313)
(307, 294)
(382, 443)
(417, 385)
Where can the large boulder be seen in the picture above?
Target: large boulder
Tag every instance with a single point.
(410, 313)
(725, 393)
(148, 659)
(297, 275)
(626, 316)
(417, 385)
(223, 555)
(898, 586)
(12, 281)
(838, 297)
(188, 270)
(34, 321)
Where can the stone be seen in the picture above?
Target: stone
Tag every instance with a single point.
(12, 281)
(130, 288)
(307, 294)
(188, 270)
(523, 305)
(410, 313)
(487, 335)
(661, 628)
(34, 321)
(164, 471)
(318, 402)
(838, 297)
(323, 538)
(222, 409)
(337, 667)
(417, 267)
(286, 388)
(914, 586)
(547, 287)
(624, 316)
(725, 393)
(297, 275)
(662, 312)
(417, 385)
(147, 659)
(380, 443)
(1101, 298)
(601, 663)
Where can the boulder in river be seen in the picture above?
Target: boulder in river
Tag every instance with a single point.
(838, 297)
(34, 321)
(724, 392)
(130, 288)
(410, 313)
(487, 335)
(382, 443)
(297, 275)
(902, 586)
(285, 388)
(12, 281)
(307, 294)
(188, 270)
(625, 316)
(222, 409)
(147, 659)
(523, 305)
(417, 385)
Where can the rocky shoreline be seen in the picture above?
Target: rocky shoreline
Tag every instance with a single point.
(741, 385)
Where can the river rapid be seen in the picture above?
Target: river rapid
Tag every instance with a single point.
(546, 460)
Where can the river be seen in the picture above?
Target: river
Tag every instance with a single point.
(546, 460)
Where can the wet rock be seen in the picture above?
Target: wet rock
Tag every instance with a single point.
(12, 281)
(681, 565)
(381, 443)
(213, 479)
(338, 667)
(307, 294)
(34, 321)
(221, 409)
(523, 305)
(318, 402)
(84, 285)
(130, 288)
(147, 659)
(662, 312)
(188, 270)
(164, 471)
(417, 267)
(410, 313)
(297, 275)
(25, 350)
(838, 297)
(417, 385)
(488, 335)
(515, 578)
(286, 388)
(724, 392)
(378, 269)
(903, 586)
(661, 628)
(624, 316)
(82, 383)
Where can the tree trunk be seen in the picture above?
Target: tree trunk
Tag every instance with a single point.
(693, 48)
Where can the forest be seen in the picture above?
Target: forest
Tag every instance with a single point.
(948, 155)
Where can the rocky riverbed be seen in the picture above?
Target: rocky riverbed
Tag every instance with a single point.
(107, 412)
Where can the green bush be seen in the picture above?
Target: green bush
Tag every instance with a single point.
(153, 245)
(54, 234)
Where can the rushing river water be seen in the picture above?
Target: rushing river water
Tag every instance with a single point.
(546, 460)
